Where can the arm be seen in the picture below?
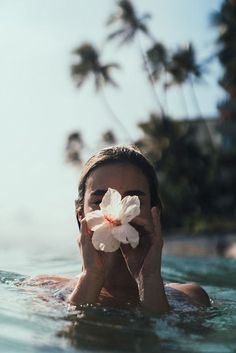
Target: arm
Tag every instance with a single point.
(96, 265)
(152, 293)
(144, 263)
(87, 289)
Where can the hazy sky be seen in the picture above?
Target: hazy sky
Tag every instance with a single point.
(40, 105)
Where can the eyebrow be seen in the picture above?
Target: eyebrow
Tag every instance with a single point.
(101, 192)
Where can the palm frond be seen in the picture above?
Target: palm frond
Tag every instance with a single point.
(128, 37)
(117, 33)
(128, 18)
(108, 137)
(106, 74)
(127, 9)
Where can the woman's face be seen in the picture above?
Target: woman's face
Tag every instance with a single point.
(125, 178)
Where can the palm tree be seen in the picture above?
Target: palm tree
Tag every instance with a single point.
(89, 65)
(131, 26)
(184, 169)
(158, 134)
(184, 68)
(158, 59)
(74, 148)
(109, 138)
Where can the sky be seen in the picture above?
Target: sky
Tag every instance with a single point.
(40, 104)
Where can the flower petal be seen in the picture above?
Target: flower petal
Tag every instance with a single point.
(103, 240)
(111, 203)
(126, 234)
(130, 208)
(94, 219)
(120, 233)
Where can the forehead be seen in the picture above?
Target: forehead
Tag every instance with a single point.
(120, 176)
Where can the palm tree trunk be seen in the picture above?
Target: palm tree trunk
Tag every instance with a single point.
(150, 78)
(114, 117)
(184, 102)
(198, 109)
(166, 106)
(154, 41)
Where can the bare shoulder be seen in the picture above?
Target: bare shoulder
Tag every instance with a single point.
(47, 280)
(193, 291)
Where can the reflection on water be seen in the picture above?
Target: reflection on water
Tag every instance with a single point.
(132, 331)
(30, 324)
(111, 329)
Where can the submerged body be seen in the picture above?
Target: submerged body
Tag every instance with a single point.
(128, 275)
(61, 288)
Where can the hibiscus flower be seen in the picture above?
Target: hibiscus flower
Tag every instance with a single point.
(111, 225)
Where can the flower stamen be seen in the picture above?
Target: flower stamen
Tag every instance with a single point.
(114, 222)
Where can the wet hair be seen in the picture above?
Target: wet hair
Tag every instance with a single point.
(120, 154)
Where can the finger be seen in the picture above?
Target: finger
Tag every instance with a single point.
(156, 222)
(85, 232)
(145, 224)
(84, 227)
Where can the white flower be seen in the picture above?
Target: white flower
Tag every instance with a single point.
(111, 225)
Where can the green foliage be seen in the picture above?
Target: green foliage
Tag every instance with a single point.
(130, 23)
(225, 21)
(196, 183)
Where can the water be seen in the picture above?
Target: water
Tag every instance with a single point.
(30, 324)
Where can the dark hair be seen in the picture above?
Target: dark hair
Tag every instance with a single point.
(120, 154)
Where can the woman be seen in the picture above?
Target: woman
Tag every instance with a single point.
(128, 275)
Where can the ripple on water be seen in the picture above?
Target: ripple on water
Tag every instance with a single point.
(29, 324)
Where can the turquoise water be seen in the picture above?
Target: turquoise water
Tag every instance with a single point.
(30, 324)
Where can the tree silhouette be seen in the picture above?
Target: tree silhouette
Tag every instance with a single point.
(109, 138)
(190, 176)
(74, 148)
(225, 21)
(184, 169)
(131, 24)
(183, 68)
(158, 59)
(89, 65)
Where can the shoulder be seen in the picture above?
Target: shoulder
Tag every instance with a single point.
(47, 280)
(193, 291)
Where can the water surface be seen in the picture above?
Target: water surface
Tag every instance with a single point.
(30, 324)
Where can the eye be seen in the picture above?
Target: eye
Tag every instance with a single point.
(97, 202)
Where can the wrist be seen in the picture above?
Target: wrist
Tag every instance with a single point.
(147, 277)
(87, 289)
(152, 293)
(147, 281)
(95, 276)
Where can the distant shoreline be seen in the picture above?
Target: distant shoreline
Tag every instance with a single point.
(222, 244)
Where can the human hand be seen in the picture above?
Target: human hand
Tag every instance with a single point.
(145, 260)
(144, 263)
(96, 266)
(96, 263)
